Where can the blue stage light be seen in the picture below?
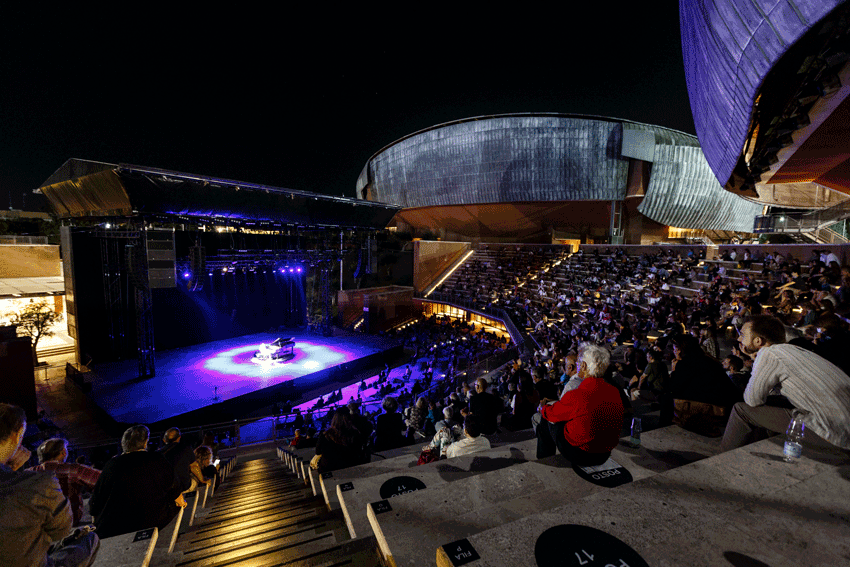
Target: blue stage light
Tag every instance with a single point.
(186, 275)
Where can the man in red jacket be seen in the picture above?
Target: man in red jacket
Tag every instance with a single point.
(585, 423)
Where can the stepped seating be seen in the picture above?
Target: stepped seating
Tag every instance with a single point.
(354, 496)
(421, 521)
(743, 507)
(128, 550)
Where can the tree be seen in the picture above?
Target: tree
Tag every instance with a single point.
(35, 321)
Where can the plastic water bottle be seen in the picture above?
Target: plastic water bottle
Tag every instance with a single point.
(794, 437)
(635, 438)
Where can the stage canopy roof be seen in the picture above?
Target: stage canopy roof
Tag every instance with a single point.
(88, 189)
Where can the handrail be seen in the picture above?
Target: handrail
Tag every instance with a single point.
(802, 222)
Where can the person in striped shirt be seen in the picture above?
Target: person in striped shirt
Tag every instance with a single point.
(807, 381)
(74, 479)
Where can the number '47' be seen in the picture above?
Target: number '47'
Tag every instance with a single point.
(582, 561)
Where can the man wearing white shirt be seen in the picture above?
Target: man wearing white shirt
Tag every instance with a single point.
(808, 381)
(471, 442)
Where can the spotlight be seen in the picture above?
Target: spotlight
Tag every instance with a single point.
(224, 270)
(186, 275)
(291, 270)
(298, 269)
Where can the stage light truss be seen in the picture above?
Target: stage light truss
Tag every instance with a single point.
(253, 260)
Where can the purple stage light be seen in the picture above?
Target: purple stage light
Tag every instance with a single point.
(187, 275)
(309, 357)
(298, 270)
(291, 270)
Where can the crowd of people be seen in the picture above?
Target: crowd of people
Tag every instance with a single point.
(43, 513)
(729, 348)
(678, 331)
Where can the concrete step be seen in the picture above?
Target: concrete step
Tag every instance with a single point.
(355, 495)
(745, 506)
(417, 523)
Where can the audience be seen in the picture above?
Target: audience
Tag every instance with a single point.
(181, 455)
(389, 427)
(585, 424)
(75, 479)
(472, 440)
(808, 382)
(34, 512)
(136, 490)
(202, 469)
(340, 445)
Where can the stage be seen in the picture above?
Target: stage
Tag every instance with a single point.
(188, 379)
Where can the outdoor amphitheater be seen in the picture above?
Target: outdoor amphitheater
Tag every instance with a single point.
(530, 339)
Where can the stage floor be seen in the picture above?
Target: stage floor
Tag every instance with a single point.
(186, 379)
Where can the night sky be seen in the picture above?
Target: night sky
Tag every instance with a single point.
(303, 101)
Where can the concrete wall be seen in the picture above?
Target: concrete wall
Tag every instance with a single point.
(29, 261)
(431, 258)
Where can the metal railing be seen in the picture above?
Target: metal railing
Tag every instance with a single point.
(493, 312)
(802, 222)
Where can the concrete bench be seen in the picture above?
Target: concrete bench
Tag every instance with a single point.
(128, 550)
(405, 457)
(356, 494)
(745, 506)
(419, 522)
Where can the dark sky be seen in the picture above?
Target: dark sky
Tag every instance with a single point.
(302, 102)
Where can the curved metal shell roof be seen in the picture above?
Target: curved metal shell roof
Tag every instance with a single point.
(553, 158)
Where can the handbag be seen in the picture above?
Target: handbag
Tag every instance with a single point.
(700, 417)
(427, 456)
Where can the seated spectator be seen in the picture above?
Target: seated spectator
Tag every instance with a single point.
(698, 378)
(585, 424)
(444, 437)
(35, 512)
(136, 490)
(364, 426)
(73, 478)
(297, 442)
(180, 454)
(808, 382)
(486, 407)
(524, 405)
(389, 428)
(448, 419)
(654, 379)
(418, 415)
(471, 442)
(734, 367)
(202, 469)
(341, 445)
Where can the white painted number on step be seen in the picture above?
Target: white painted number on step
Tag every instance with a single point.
(582, 561)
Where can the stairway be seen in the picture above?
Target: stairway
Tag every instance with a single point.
(264, 516)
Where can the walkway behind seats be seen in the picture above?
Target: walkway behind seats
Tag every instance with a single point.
(262, 515)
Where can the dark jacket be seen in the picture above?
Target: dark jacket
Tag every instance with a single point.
(336, 456)
(486, 407)
(703, 379)
(388, 431)
(180, 454)
(135, 491)
(33, 513)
